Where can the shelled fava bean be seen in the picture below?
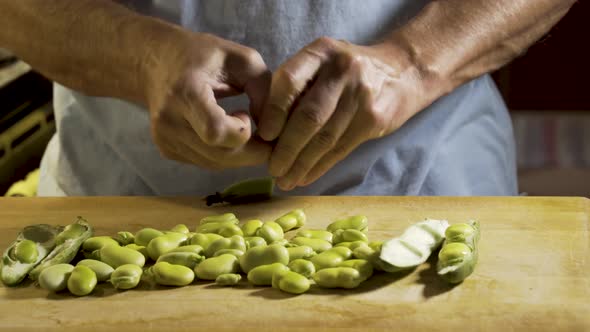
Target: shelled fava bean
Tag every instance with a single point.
(222, 250)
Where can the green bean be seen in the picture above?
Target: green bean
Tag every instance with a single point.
(354, 222)
(144, 236)
(459, 253)
(338, 277)
(235, 252)
(250, 227)
(298, 252)
(331, 258)
(254, 241)
(116, 256)
(291, 220)
(102, 270)
(188, 259)
(55, 277)
(349, 235)
(167, 274)
(97, 242)
(125, 238)
(270, 232)
(302, 266)
(163, 244)
(364, 267)
(226, 217)
(262, 275)
(82, 280)
(213, 267)
(228, 279)
(290, 282)
(318, 245)
(194, 248)
(204, 240)
(257, 256)
(141, 249)
(126, 276)
(315, 234)
(26, 252)
(180, 228)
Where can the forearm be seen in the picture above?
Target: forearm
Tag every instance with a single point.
(97, 47)
(454, 41)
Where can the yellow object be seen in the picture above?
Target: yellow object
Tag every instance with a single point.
(26, 187)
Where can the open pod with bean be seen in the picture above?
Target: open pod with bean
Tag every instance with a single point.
(278, 253)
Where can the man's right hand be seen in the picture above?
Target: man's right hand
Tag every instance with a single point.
(185, 79)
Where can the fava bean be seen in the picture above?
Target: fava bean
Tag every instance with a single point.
(254, 241)
(338, 277)
(235, 252)
(303, 267)
(167, 274)
(141, 249)
(364, 267)
(97, 242)
(262, 275)
(354, 222)
(250, 227)
(125, 238)
(55, 277)
(26, 252)
(194, 248)
(144, 236)
(331, 258)
(318, 245)
(188, 259)
(204, 240)
(459, 253)
(226, 217)
(349, 235)
(82, 280)
(213, 267)
(180, 228)
(298, 252)
(234, 242)
(351, 245)
(290, 282)
(102, 270)
(115, 256)
(257, 256)
(270, 232)
(163, 244)
(228, 279)
(126, 276)
(315, 234)
(291, 220)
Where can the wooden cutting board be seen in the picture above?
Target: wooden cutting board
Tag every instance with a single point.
(533, 273)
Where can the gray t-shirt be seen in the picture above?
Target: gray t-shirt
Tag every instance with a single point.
(461, 145)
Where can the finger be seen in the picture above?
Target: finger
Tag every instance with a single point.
(211, 123)
(322, 142)
(365, 123)
(311, 114)
(287, 83)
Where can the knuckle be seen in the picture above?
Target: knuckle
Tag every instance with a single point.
(312, 115)
(325, 139)
(325, 42)
(212, 133)
(287, 80)
(348, 63)
(252, 56)
(338, 151)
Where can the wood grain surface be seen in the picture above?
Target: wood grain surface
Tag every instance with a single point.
(533, 273)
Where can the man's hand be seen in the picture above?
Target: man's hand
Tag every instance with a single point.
(331, 97)
(187, 123)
